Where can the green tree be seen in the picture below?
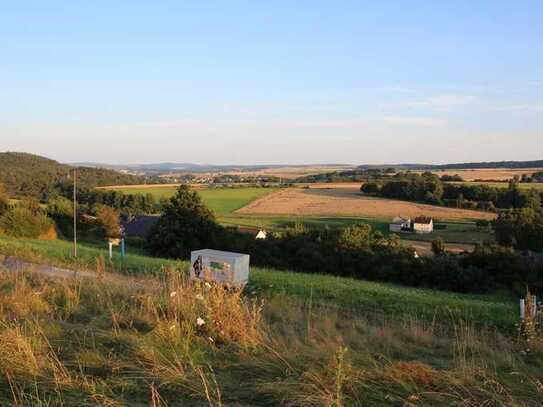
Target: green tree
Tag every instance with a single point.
(186, 224)
(370, 188)
(356, 238)
(108, 221)
(438, 246)
(520, 228)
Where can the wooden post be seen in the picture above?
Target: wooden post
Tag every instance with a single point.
(110, 250)
(75, 212)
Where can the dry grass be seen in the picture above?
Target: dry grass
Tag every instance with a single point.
(349, 202)
(67, 342)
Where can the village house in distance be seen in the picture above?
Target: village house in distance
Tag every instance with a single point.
(421, 224)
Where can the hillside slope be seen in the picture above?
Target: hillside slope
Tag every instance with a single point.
(26, 174)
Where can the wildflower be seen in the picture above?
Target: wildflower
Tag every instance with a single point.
(173, 294)
(200, 321)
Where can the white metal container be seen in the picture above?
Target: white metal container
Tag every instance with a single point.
(220, 267)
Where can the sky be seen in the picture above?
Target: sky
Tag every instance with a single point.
(276, 82)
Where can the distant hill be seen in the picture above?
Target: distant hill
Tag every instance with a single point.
(26, 174)
(459, 166)
(195, 168)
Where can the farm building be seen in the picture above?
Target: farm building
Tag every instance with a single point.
(400, 224)
(423, 224)
(256, 232)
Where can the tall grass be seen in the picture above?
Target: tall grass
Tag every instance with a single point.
(167, 341)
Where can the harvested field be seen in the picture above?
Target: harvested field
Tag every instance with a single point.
(349, 202)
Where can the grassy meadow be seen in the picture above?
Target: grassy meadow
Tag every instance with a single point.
(163, 341)
(134, 331)
(347, 294)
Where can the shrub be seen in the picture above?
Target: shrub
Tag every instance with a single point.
(61, 211)
(21, 221)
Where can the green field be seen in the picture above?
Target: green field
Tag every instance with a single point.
(356, 295)
(222, 201)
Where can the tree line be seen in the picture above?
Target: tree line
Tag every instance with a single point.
(429, 188)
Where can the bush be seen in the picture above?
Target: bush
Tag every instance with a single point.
(61, 211)
(21, 221)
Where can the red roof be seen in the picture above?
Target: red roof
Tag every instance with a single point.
(423, 219)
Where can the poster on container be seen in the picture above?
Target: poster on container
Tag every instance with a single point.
(231, 269)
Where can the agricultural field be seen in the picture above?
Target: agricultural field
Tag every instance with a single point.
(349, 202)
(221, 200)
(329, 205)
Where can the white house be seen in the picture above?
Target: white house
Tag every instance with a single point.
(423, 224)
(400, 224)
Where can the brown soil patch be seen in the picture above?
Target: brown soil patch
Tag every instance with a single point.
(349, 202)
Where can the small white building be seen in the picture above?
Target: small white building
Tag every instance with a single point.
(423, 224)
(400, 224)
(261, 234)
(256, 232)
(231, 269)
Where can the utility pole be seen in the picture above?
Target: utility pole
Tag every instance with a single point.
(75, 212)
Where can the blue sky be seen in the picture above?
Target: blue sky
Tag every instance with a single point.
(272, 82)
